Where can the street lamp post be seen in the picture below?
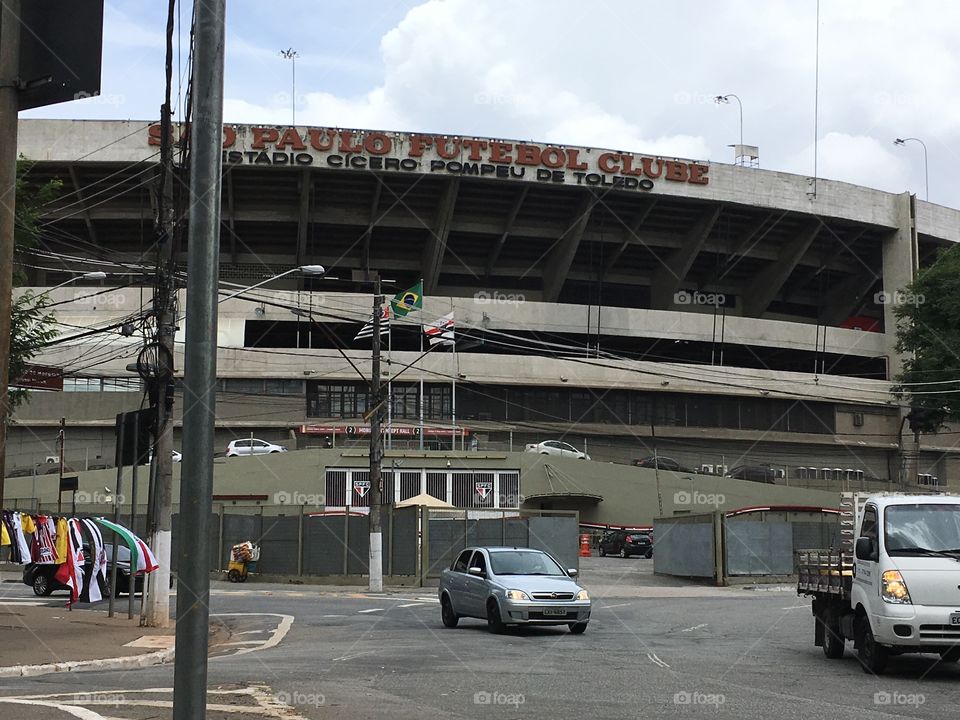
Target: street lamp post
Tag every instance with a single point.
(292, 55)
(96, 275)
(305, 269)
(926, 179)
(725, 99)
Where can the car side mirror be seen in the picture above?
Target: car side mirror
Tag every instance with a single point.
(865, 549)
(573, 572)
(475, 571)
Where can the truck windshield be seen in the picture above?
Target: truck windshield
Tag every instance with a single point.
(520, 562)
(911, 529)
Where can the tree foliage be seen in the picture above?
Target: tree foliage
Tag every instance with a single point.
(928, 314)
(31, 324)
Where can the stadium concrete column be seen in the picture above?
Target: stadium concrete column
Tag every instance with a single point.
(899, 269)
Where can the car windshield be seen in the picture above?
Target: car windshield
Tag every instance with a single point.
(520, 562)
(917, 527)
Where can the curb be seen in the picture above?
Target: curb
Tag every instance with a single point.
(116, 663)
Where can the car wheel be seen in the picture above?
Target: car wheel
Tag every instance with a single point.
(649, 554)
(41, 585)
(577, 628)
(602, 551)
(623, 552)
(544, 453)
(274, 451)
(833, 643)
(873, 656)
(450, 618)
(494, 622)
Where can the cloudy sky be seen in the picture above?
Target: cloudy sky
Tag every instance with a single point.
(622, 74)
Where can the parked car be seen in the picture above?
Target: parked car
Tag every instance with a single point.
(756, 473)
(662, 463)
(512, 586)
(626, 543)
(555, 447)
(41, 577)
(252, 446)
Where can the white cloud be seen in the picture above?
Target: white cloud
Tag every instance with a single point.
(854, 159)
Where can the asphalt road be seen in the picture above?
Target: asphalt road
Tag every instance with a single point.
(697, 652)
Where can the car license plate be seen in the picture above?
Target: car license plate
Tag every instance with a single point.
(955, 618)
(559, 612)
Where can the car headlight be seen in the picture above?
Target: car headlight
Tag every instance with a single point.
(517, 595)
(583, 595)
(895, 589)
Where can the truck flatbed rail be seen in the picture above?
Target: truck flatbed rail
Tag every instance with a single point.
(827, 571)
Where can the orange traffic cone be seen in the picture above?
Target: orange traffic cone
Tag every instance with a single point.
(585, 545)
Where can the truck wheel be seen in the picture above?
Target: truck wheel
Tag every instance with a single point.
(873, 656)
(833, 643)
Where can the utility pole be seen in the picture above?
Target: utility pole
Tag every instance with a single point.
(200, 365)
(157, 612)
(9, 76)
(376, 449)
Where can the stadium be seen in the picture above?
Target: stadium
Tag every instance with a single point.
(720, 316)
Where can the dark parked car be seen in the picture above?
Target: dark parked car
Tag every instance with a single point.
(756, 473)
(41, 577)
(626, 543)
(662, 463)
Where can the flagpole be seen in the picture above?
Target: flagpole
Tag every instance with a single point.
(421, 385)
(453, 399)
(389, 387)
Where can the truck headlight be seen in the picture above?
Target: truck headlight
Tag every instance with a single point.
(583, 595)
(517, 595)
(894, 589)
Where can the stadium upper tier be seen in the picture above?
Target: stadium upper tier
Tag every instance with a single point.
(631, 245)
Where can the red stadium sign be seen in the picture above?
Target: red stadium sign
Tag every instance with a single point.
(450, 155)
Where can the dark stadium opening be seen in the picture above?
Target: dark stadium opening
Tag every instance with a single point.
(341, 400)
(406, 338)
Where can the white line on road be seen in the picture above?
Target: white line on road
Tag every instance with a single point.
(283, 627)
(371, 610)
(695, 627)
(797, 607)
(334, 616)
(607, 607)
(652, 657)
(356, 655)
(413, 604)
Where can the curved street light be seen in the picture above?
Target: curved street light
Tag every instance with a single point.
(725, 100)
(926, 181)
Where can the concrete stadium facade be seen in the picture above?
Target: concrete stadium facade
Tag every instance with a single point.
(627, 304)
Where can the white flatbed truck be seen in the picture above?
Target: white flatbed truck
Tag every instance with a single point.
(893, 586)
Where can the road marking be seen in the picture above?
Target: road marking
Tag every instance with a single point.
(334, 616)
(371, 610)
(356, 655)
(607, 607)
(695, 627)
(652, 657)
(797, 607)
(276, 635)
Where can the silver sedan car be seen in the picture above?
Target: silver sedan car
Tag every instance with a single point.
(512, 586)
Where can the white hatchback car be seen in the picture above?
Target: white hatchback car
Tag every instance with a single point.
(252, 446)
(555, 447)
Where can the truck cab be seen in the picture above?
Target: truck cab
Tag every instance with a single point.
(895, 586)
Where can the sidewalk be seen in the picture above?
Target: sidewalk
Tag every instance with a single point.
(44, 635)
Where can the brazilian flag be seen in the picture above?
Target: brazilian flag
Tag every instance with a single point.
(408, 300)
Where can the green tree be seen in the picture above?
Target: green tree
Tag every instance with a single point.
(928, 312)
(31, 323)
